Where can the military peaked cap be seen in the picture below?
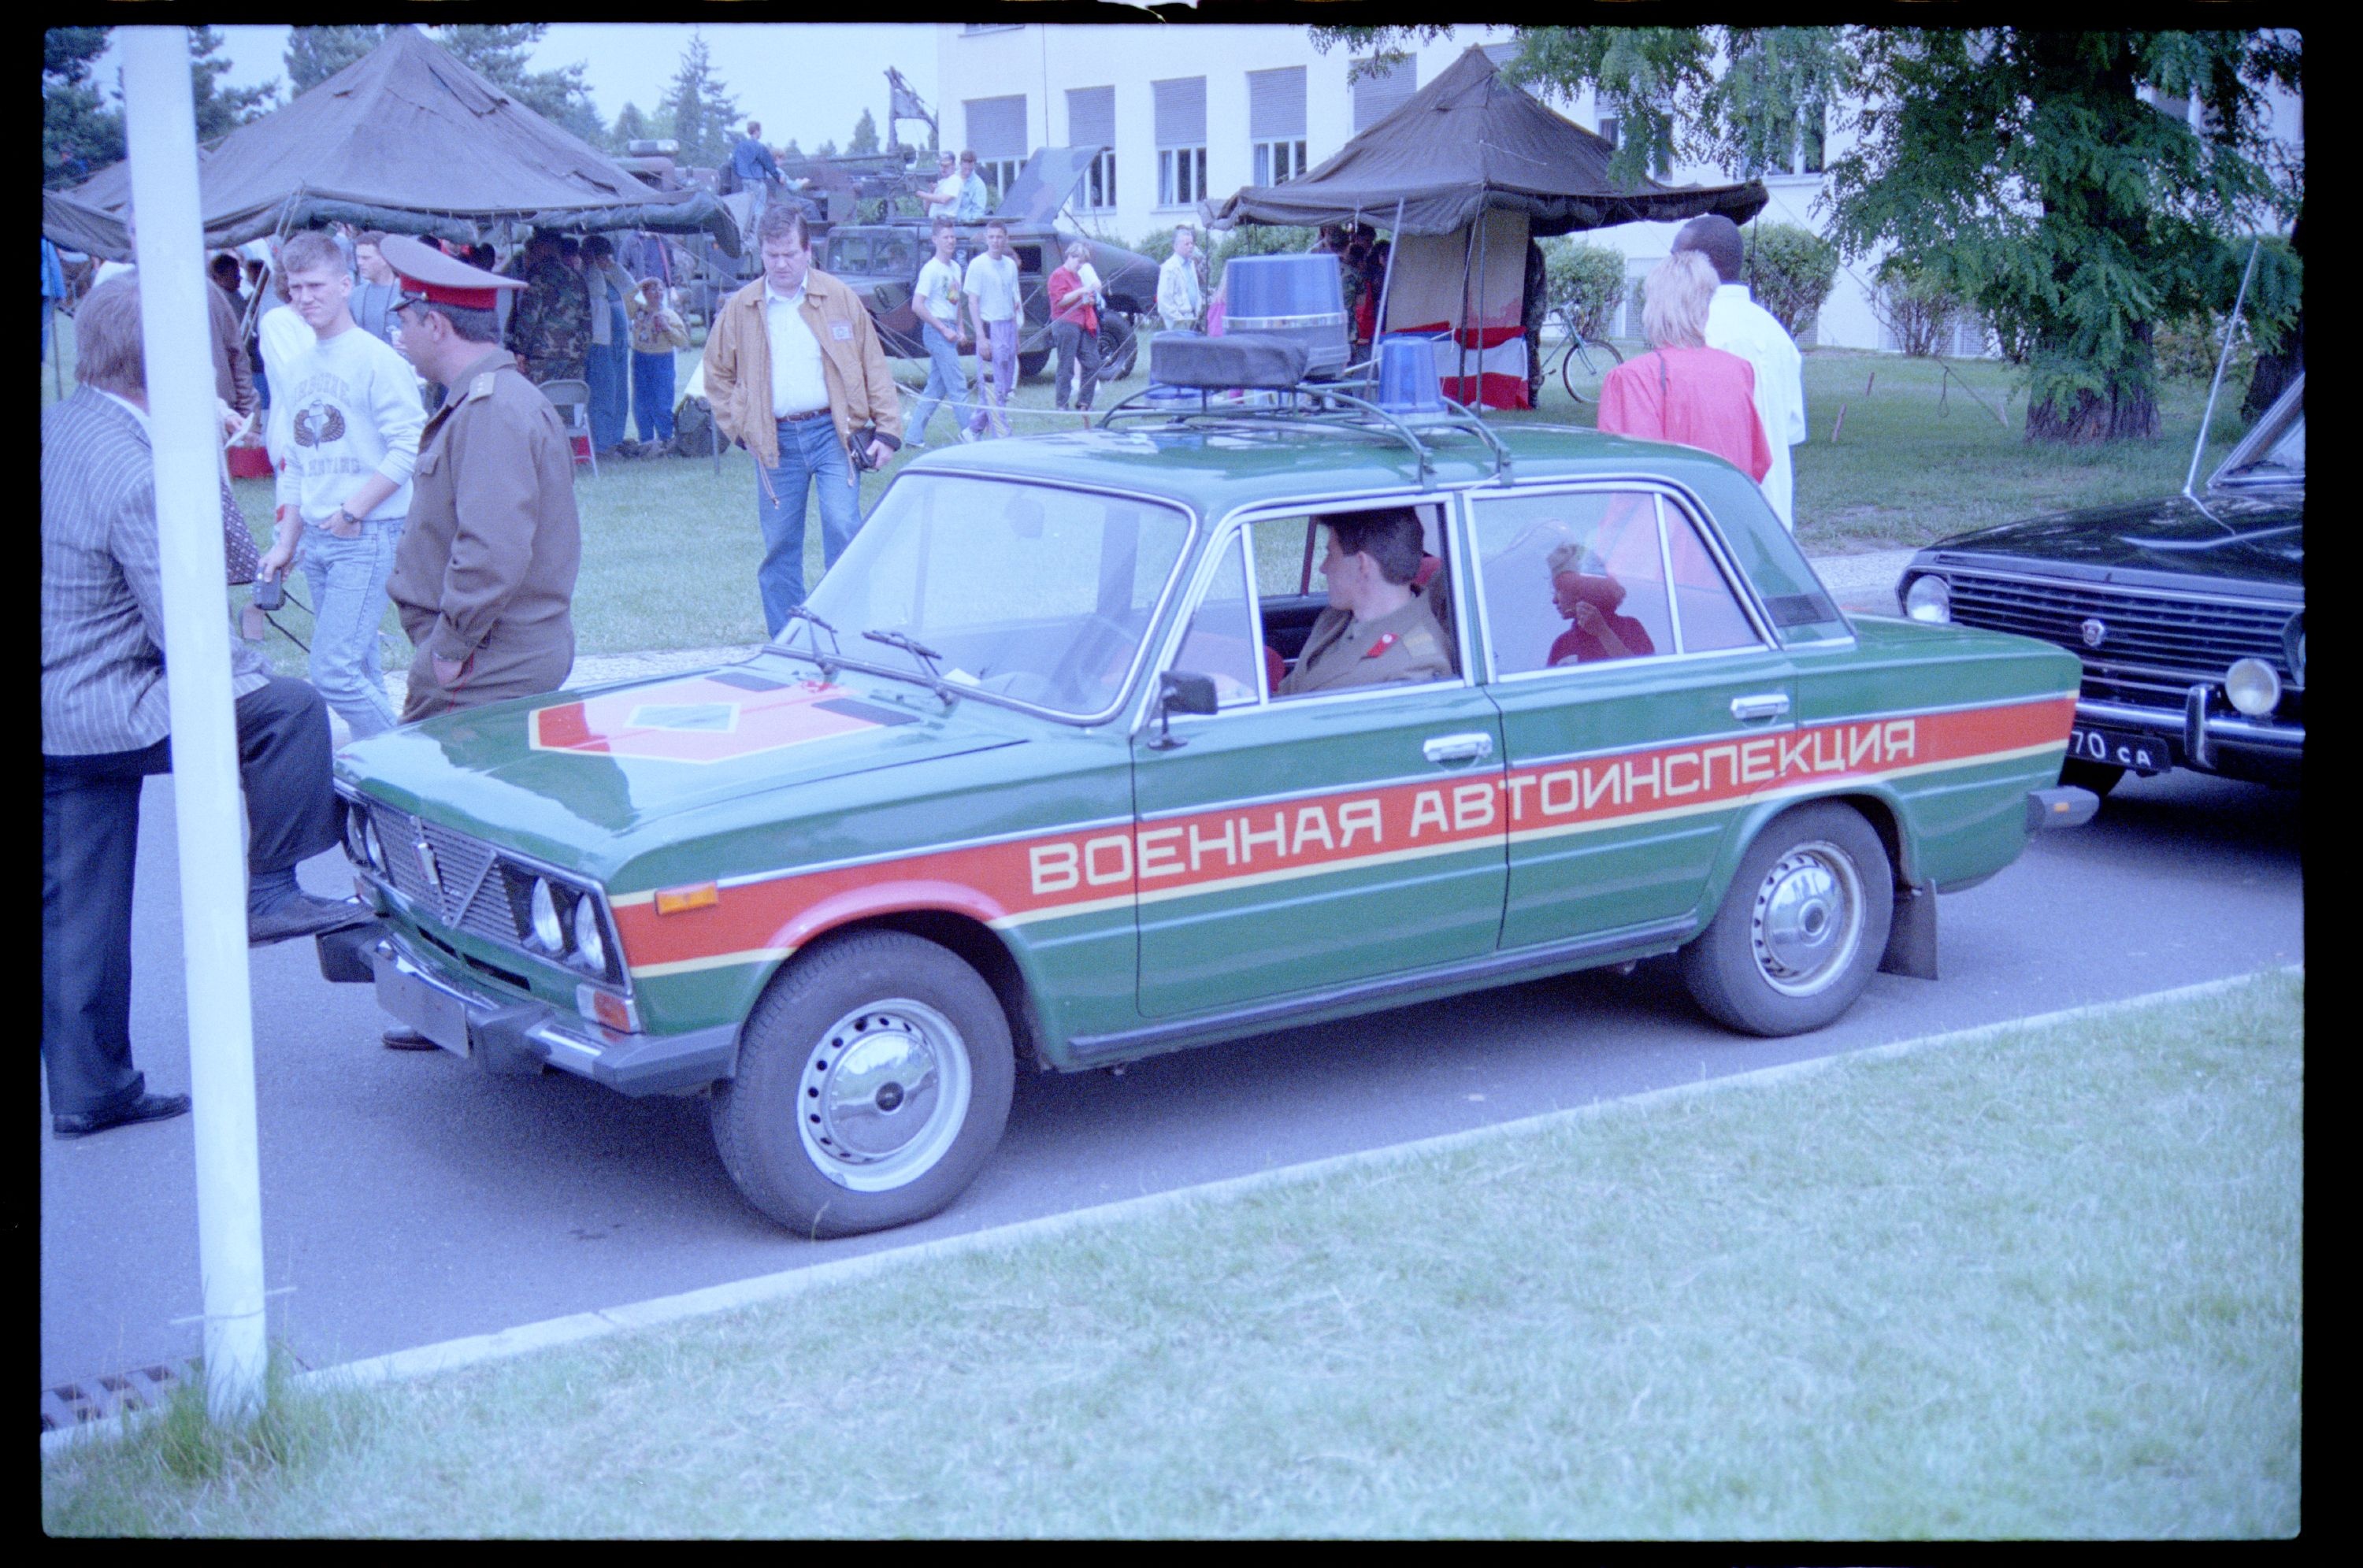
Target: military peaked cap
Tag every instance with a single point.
(429, 277)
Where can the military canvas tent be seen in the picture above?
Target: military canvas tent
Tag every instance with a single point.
(408, 139)
(71, 225)
(1470, 144)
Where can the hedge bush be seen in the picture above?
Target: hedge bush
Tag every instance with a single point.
(1585, 280)
(1791, 271)
(1919, 308)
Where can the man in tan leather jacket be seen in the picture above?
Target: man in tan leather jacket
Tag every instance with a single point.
(795, 374)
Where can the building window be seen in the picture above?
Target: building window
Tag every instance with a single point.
(1091, 122)
(1795, 147)
(1276, 124)
(996, 134)
(1181, 140)
(1382, 90)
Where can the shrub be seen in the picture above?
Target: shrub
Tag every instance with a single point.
(1789, 270)
(1587, 281)
(1919, 307)
(2187, 350)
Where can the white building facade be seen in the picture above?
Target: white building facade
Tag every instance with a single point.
(1193, 111)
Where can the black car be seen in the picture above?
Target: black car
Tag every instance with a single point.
(2189, 612)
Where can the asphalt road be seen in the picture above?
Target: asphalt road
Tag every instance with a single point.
(407, 1199)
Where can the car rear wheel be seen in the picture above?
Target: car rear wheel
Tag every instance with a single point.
(1801, 927)
(1119, 349)
(1031, 364)
(873, 1082)
(2098, 776)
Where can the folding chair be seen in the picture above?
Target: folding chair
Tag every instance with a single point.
(572, 400)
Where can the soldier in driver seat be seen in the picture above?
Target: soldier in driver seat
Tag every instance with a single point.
(1377, 629)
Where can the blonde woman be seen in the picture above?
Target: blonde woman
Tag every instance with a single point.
(1683, 390)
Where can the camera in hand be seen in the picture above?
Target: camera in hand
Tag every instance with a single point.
(269, 593)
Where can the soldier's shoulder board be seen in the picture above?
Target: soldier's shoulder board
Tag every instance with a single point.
(482, 386)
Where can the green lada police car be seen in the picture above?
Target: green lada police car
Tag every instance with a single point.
(1020, 785)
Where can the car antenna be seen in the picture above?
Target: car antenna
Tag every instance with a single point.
(2231, 325)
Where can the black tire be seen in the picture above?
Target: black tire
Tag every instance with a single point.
(1119, 349)
(1801, 928)
(2098, 776)
(1031, 364)
(919, 1033)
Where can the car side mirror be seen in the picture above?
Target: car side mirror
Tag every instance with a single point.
(1180, 691)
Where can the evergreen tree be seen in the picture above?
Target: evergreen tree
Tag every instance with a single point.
(705, 115)
(315, 54)
(632, 126)
(80, 134)
(792, 153)
(2026, 171)
(221, 110)
(499, 51)
(827, 149)
(865, 137)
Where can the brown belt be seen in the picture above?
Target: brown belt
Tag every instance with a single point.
(800, 418)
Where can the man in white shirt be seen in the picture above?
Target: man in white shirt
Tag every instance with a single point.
(991, 289)
(935, 301)
(347, 414)
(1180, 298)
(944, 199)
(1738, 325)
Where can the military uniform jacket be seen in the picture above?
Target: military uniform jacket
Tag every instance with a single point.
(549, 329)
(1405, 644)
(488, 557)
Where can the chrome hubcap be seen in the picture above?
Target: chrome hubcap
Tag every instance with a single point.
(883, 1095)
(1808, 919)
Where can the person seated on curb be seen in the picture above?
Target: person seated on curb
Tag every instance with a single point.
(105, 715)
(1376, 629)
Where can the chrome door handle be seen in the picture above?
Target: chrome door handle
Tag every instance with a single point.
(1769, 705)
(1459, 748)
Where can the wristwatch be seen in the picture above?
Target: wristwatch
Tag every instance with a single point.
(346, 513)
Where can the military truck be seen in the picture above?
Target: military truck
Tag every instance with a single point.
(882, 262)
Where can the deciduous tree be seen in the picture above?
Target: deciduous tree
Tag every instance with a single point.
(704, 115)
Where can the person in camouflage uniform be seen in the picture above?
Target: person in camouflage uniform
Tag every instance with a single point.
(549, 330)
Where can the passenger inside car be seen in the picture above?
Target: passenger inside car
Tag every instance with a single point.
(1378, 628)
(1588, 596)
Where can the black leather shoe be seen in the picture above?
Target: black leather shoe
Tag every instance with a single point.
(302, 915)
(406, 1040)
(146, 1107)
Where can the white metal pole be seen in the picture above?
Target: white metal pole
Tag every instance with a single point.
(161, 128)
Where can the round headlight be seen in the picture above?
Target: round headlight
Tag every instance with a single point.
(370, 845)
(2253, 687)
(354, 816)
(548, 929)
(1928, 598)
(588, 941)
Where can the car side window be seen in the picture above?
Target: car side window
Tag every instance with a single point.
(890, 255)
(1710, 612)
(1572, 579)
(1221, 642)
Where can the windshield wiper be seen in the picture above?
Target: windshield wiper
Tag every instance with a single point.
(924, 654)
(835, 653)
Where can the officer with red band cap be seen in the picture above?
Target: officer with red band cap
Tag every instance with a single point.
(484, 579)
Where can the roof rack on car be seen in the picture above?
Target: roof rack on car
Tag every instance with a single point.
(1256, 380)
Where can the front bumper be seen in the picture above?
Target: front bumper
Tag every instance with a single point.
(508, 1036)
(2199, 736)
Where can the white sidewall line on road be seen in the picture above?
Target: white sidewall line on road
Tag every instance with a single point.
(453, 1354)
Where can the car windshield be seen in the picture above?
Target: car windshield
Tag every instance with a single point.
(1032, 594)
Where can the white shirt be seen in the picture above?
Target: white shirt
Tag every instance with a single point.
(939, 287)
(284, 338)
(346, 408)
(947, 195)
(1179, 297)
(798, 385)
(995, 284)
(1738, 325)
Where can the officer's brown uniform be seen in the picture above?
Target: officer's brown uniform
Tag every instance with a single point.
(1402, 644)
(488, 558)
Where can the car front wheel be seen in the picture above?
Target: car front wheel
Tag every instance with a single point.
(1801, 928)
(874, 1079)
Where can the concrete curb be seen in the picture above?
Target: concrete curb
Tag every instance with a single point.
(452, 1355)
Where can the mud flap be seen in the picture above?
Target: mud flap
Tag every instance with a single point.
(1911, 935)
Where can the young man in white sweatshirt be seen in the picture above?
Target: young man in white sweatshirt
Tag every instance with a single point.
(346, 421)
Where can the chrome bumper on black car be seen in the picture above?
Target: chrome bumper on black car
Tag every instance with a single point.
(508, 1037)
(2198, 737)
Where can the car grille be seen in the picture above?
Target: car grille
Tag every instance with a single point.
(2157, 646)
(476, 894)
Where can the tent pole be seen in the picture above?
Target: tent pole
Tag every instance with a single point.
(1461, 325)
(1386, 281)
(1478, 402)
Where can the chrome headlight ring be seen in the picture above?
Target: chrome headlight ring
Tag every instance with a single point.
(1928, 598)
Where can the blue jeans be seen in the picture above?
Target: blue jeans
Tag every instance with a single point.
(947, 384)
(997, 380)
(348, 579)
(810, 456)
(652, 395)
(607, 370)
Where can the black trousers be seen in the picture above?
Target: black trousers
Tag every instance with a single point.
(90, 841)
(1076, 347)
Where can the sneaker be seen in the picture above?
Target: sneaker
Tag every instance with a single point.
(967, 433)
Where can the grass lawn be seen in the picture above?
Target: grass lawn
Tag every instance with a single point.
(670, 546)
(2039, 1282)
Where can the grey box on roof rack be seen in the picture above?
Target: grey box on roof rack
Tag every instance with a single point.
(1261, 361)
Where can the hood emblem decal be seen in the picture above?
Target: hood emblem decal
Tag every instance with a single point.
(2095, 631)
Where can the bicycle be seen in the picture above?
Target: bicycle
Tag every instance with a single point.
(1579, 352)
